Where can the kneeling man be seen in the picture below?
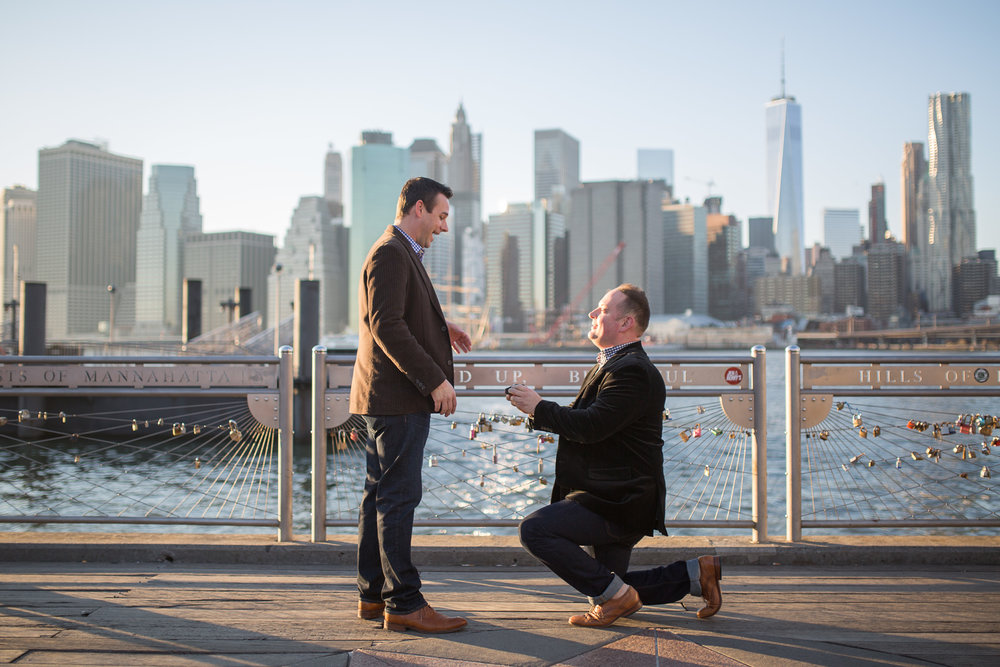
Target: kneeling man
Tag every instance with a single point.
(609, 490)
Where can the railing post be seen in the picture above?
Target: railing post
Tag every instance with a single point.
(286, 406)
(759, 435)
(793, 446)
(319, 444)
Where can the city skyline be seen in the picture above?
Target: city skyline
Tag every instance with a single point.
(251, 104)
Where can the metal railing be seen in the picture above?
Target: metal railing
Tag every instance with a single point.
(890, 440)
(498, 474)
(149, 455)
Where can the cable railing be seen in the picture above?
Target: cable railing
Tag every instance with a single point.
(891, 441)
(485, 467)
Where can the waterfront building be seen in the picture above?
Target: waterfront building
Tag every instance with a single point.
(333, 182)
(841, 231)
(761, 233)
(225, 262)
(886, 280)
(557, 167)
(848, 285)
(785, 202)
(685, 259)
(315, 248)
(523, 265)
(951, 220)
(787, 293)
(378, 171)
(725, 240)
(821, 263)
(18, 219)
(913, 171)
(606, 213)
(973, 280)
(88, 207)
(428, 160)
(877, 225)
(655, 164)
(170, 211)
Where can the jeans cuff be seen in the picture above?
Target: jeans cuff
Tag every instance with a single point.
(694, 574)
(608, 593)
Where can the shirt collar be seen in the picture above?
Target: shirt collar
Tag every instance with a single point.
(608, 352)
(413, 244)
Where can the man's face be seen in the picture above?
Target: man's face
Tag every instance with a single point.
(432, 222)
(606, 317)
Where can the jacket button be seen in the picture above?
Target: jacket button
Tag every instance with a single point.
(444, 328)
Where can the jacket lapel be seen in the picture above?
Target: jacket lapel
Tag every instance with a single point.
(422, 272)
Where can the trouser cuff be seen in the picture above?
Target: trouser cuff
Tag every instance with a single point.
(694, 574)
(608, 593)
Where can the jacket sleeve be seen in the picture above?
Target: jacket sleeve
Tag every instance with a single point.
(388, 286)
(621, 398)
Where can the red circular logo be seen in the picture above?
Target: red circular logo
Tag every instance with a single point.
(734, 375)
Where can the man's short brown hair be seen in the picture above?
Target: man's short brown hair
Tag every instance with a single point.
(635, 304)
(420, 189)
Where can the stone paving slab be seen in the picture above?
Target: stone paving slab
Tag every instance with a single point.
(178, 614)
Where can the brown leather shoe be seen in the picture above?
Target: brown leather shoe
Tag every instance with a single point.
(711, 573)
(603, 615)
(370, 610)
(422, 620)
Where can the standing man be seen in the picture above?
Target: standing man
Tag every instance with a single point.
(403, 372)
(609, 489)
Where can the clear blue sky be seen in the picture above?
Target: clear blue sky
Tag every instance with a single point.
(250, 93)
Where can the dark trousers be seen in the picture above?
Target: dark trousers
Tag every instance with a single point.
(555, 533)
(394, 456)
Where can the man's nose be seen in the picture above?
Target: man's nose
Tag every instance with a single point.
(592, 314)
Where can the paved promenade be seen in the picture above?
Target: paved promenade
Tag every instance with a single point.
(172, 608)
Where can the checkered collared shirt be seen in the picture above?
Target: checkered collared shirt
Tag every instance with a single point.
(413, 244)
(607, 353)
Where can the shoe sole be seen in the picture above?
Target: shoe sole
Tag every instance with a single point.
(398, 627)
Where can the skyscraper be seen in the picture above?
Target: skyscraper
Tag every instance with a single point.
(841, 231)
(685, 259)
(557, 167)
(224, 262)
(89, 202)
(877, 226)
(725, 240)
(465, 221)
(378, 172)
(607, 213)
(315, 248)
(914, 169)
(531, 234)
(761, 233)
(784, 178)
(18, 219)
(886, 280)
(951, 218)
(170, 210)
(333, 182)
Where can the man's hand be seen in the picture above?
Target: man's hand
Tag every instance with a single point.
(460, 341)
(445, 400)
(523, 398)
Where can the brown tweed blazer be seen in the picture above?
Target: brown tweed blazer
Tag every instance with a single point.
(404, 351)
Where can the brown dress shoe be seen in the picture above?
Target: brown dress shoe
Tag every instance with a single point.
(422, 620)
(370, 610)
(711, 573)
(603, 615)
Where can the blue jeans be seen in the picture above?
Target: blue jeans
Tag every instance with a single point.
(554, 535)
(394, 456)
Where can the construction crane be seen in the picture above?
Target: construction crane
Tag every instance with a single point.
(575, 303)
(708, 184)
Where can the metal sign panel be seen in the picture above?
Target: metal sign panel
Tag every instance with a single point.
(470, 376)
(882, 376)
(202, 376)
